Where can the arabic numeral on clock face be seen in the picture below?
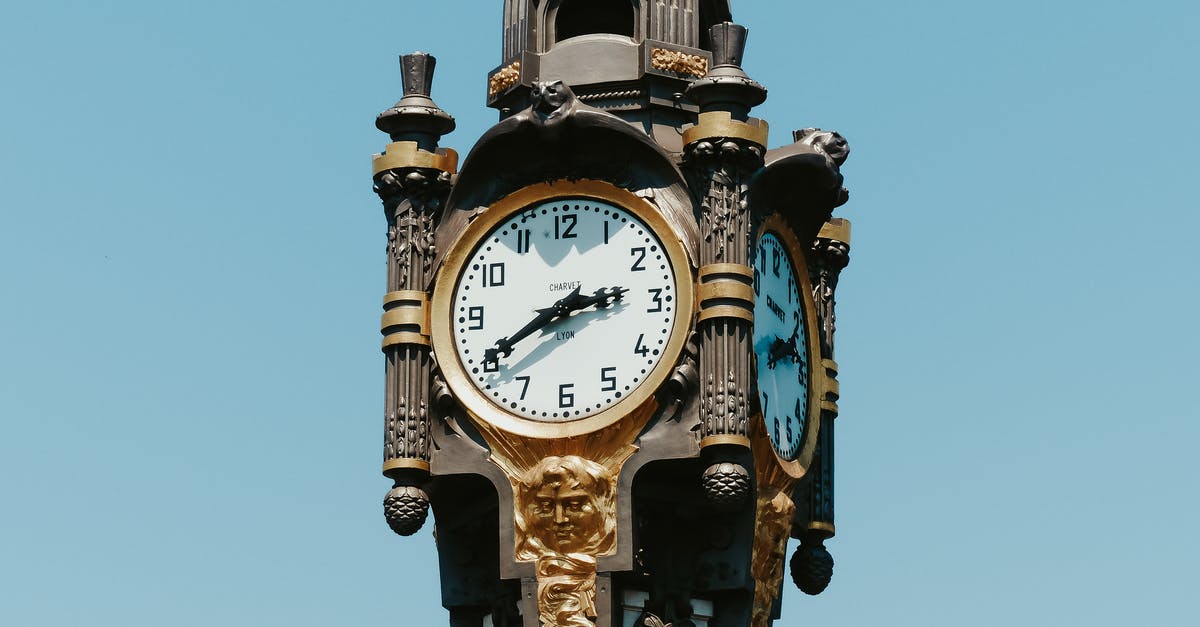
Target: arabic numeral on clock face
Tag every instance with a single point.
(776, 428)
(657, 298)
(608, 377)
(564, 226)
(524, 387)
(640, 253)
(775, 261)
(493, 275)
(475, 315)
(523, 241)
(566, 398)
(638, 348)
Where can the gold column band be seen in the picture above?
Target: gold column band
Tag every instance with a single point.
(405, 337)
(726, 311)
(726, 268)
(832, 387)
(736, 440)
(405, 318)
(822, 527)
(403, 295)
(417, 317)
(725, 291)
(407, 155)
(405, 463)
(712, 124)
(837, 229)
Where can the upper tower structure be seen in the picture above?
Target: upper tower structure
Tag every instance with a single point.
(632, 58)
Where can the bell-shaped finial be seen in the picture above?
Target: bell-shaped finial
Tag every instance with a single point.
(728, 43)
(416, 71)
(416, 117)
(726, 87)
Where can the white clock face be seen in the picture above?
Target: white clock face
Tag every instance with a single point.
(780, 345)
(563, 309)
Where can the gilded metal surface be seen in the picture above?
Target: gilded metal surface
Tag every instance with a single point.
(407, 155)
(566, 516)
(678, 62)
(405, 337)
(825, 528)
(726, 311)
(565, 509)
(832, 390)
(774, 509)
(400, 296)
(406, 313)
(837, 229)
(713, 440)
(726, 289)
(410, 316)
(721, 124)
(714, 269)
(480, 407)
(404, 463)
(504, 78)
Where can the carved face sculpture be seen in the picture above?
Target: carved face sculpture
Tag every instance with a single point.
(566, 506)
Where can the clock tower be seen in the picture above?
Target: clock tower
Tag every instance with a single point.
(608, 331)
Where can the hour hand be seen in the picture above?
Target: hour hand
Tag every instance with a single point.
(504, 345)
(781, 349)
(560, 309)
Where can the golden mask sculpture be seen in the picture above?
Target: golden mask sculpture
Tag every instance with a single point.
(565, 518)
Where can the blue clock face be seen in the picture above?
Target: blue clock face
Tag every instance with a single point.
(780, 345)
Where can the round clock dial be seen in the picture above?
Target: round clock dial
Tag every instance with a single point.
(780, 344)
(564, 308)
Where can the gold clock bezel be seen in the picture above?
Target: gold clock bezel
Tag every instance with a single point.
(778, 226)
(478, 405)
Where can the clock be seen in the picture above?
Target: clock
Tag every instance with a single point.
(785, 338)
(562, 308)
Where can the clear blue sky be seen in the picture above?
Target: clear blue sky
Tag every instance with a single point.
(191, 262)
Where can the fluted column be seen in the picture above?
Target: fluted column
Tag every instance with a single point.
(812, 565)
(412, 178)
(721, 154)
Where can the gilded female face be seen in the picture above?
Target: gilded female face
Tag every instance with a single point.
(564, 500)
(563, 513)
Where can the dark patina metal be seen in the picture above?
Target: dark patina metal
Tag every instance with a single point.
(649, 96)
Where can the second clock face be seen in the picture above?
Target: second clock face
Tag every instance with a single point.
(563, 309)
(780, 345)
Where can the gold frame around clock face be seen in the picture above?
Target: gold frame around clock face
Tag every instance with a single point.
(477, 404)
(777, 225)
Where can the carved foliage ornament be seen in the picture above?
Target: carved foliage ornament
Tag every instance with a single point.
(678, 62)
(504, 78)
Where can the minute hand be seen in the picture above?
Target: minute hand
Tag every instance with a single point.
(562, 308)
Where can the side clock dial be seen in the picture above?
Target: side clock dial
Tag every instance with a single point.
(784, 326)
(567, 305)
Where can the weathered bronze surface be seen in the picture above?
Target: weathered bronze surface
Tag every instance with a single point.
(670, 508)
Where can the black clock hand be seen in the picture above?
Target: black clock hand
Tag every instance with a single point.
(781, 348)
(562, 308)
(601, 298)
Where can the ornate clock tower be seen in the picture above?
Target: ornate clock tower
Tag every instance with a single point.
(608, 333)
